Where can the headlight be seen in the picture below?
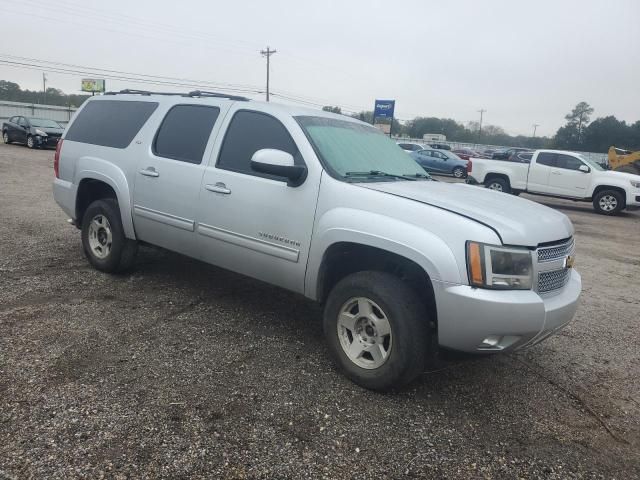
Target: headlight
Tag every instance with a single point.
(40, 132)
(492, 266)
(635, 184)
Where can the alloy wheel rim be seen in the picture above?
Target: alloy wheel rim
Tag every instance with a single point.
(30, 142)
(608, 203)
(364, 332)
(495, 186)
(5, 137)
(458, 173)
(100, 236)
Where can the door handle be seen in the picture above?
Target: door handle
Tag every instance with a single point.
(555, 172)
(219, 187)
(149, 172)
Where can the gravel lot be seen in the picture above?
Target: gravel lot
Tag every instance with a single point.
(180, 369)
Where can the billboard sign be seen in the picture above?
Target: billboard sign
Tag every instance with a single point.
(384, 108)
(92, 85)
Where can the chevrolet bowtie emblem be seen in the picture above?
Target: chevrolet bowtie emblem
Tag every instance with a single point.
(568, 262)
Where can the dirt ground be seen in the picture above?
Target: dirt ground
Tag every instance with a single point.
(180, 369)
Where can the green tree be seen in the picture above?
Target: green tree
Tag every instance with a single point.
(331, 109)
(580, 117)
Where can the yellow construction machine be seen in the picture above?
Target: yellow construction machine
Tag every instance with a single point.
(624, 160)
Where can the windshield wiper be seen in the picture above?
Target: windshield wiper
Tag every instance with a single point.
(378, 173)
(418, 175)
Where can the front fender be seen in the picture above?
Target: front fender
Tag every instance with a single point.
(107, 172)
(379, 231)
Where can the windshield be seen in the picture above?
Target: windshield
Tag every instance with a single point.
(591, 163)
(44, 123)
(350, 148)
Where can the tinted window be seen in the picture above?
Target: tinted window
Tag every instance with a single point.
(184, 132)
(22, 122)
(13, 119)
(110, 123)
(545, 158)
(569, 162)
(406, 146)
(249, 132)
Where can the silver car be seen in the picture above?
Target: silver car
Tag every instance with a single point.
(327, 207)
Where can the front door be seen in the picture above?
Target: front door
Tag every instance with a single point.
(566, 179)
(254, 223)
(21, 130)
(168, 178)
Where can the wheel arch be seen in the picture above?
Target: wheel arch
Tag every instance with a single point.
(107, 182)
(620, 190)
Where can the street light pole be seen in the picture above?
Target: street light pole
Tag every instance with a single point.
(535, 127)
(481, 111)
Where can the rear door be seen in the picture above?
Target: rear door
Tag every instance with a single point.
(254, 223)
(169, 174)
(566, 179)
(540, 171)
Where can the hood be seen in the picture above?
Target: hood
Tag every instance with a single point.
(517, 221)
(49, 130)
(622, 175)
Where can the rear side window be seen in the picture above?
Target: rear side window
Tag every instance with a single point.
(184, 132)
(110, 123)
(546, 158)
(249, 132)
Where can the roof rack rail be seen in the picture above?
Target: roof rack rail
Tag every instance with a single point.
(194, 93)
(204, 93)
(128, 91)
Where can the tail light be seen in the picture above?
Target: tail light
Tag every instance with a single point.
(56, 159)
(469, 166)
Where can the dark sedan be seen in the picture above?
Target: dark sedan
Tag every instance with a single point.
(33, 132)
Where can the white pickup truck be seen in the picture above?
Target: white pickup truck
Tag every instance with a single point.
(559, 174)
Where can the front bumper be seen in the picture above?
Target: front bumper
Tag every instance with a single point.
(478, 320)
(47, 141)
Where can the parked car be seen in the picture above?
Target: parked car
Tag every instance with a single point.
(560, 174)
(411, 147)
(440, 146)
(504, 154)
(521, 157)
(33, 132)
(441, 161)
(466, 153)
(322, 205)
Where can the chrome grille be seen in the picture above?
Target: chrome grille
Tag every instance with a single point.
(552, 280)
(554, 252)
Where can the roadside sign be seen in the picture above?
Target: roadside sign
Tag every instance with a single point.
(93, 85)
(384, 108)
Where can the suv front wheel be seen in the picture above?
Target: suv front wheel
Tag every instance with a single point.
(103, 239)
(377, 330)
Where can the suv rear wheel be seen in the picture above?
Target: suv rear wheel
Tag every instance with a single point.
(608, 202)
(103, 239)
(377, 330)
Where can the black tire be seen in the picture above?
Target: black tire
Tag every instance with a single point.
(459, 172)
(121, 256)
(498, 184)
(31, 143)
(5, 137)
(608, 202)
(408, 320)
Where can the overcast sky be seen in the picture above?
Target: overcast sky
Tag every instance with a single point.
(524, 62)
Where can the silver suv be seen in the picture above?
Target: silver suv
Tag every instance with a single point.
(326, 206)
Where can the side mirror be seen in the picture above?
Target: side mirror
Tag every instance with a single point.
(279, 163)
(584, 168)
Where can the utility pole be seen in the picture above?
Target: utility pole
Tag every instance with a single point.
(481, 111)
(44, 88)
(535, 127)
(267, 53)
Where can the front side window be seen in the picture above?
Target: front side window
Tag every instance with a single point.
(546, 158)
(568, 162)
(184, 132)
(110, 123)
(248, 132)
(22, 122)
(353, 150)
